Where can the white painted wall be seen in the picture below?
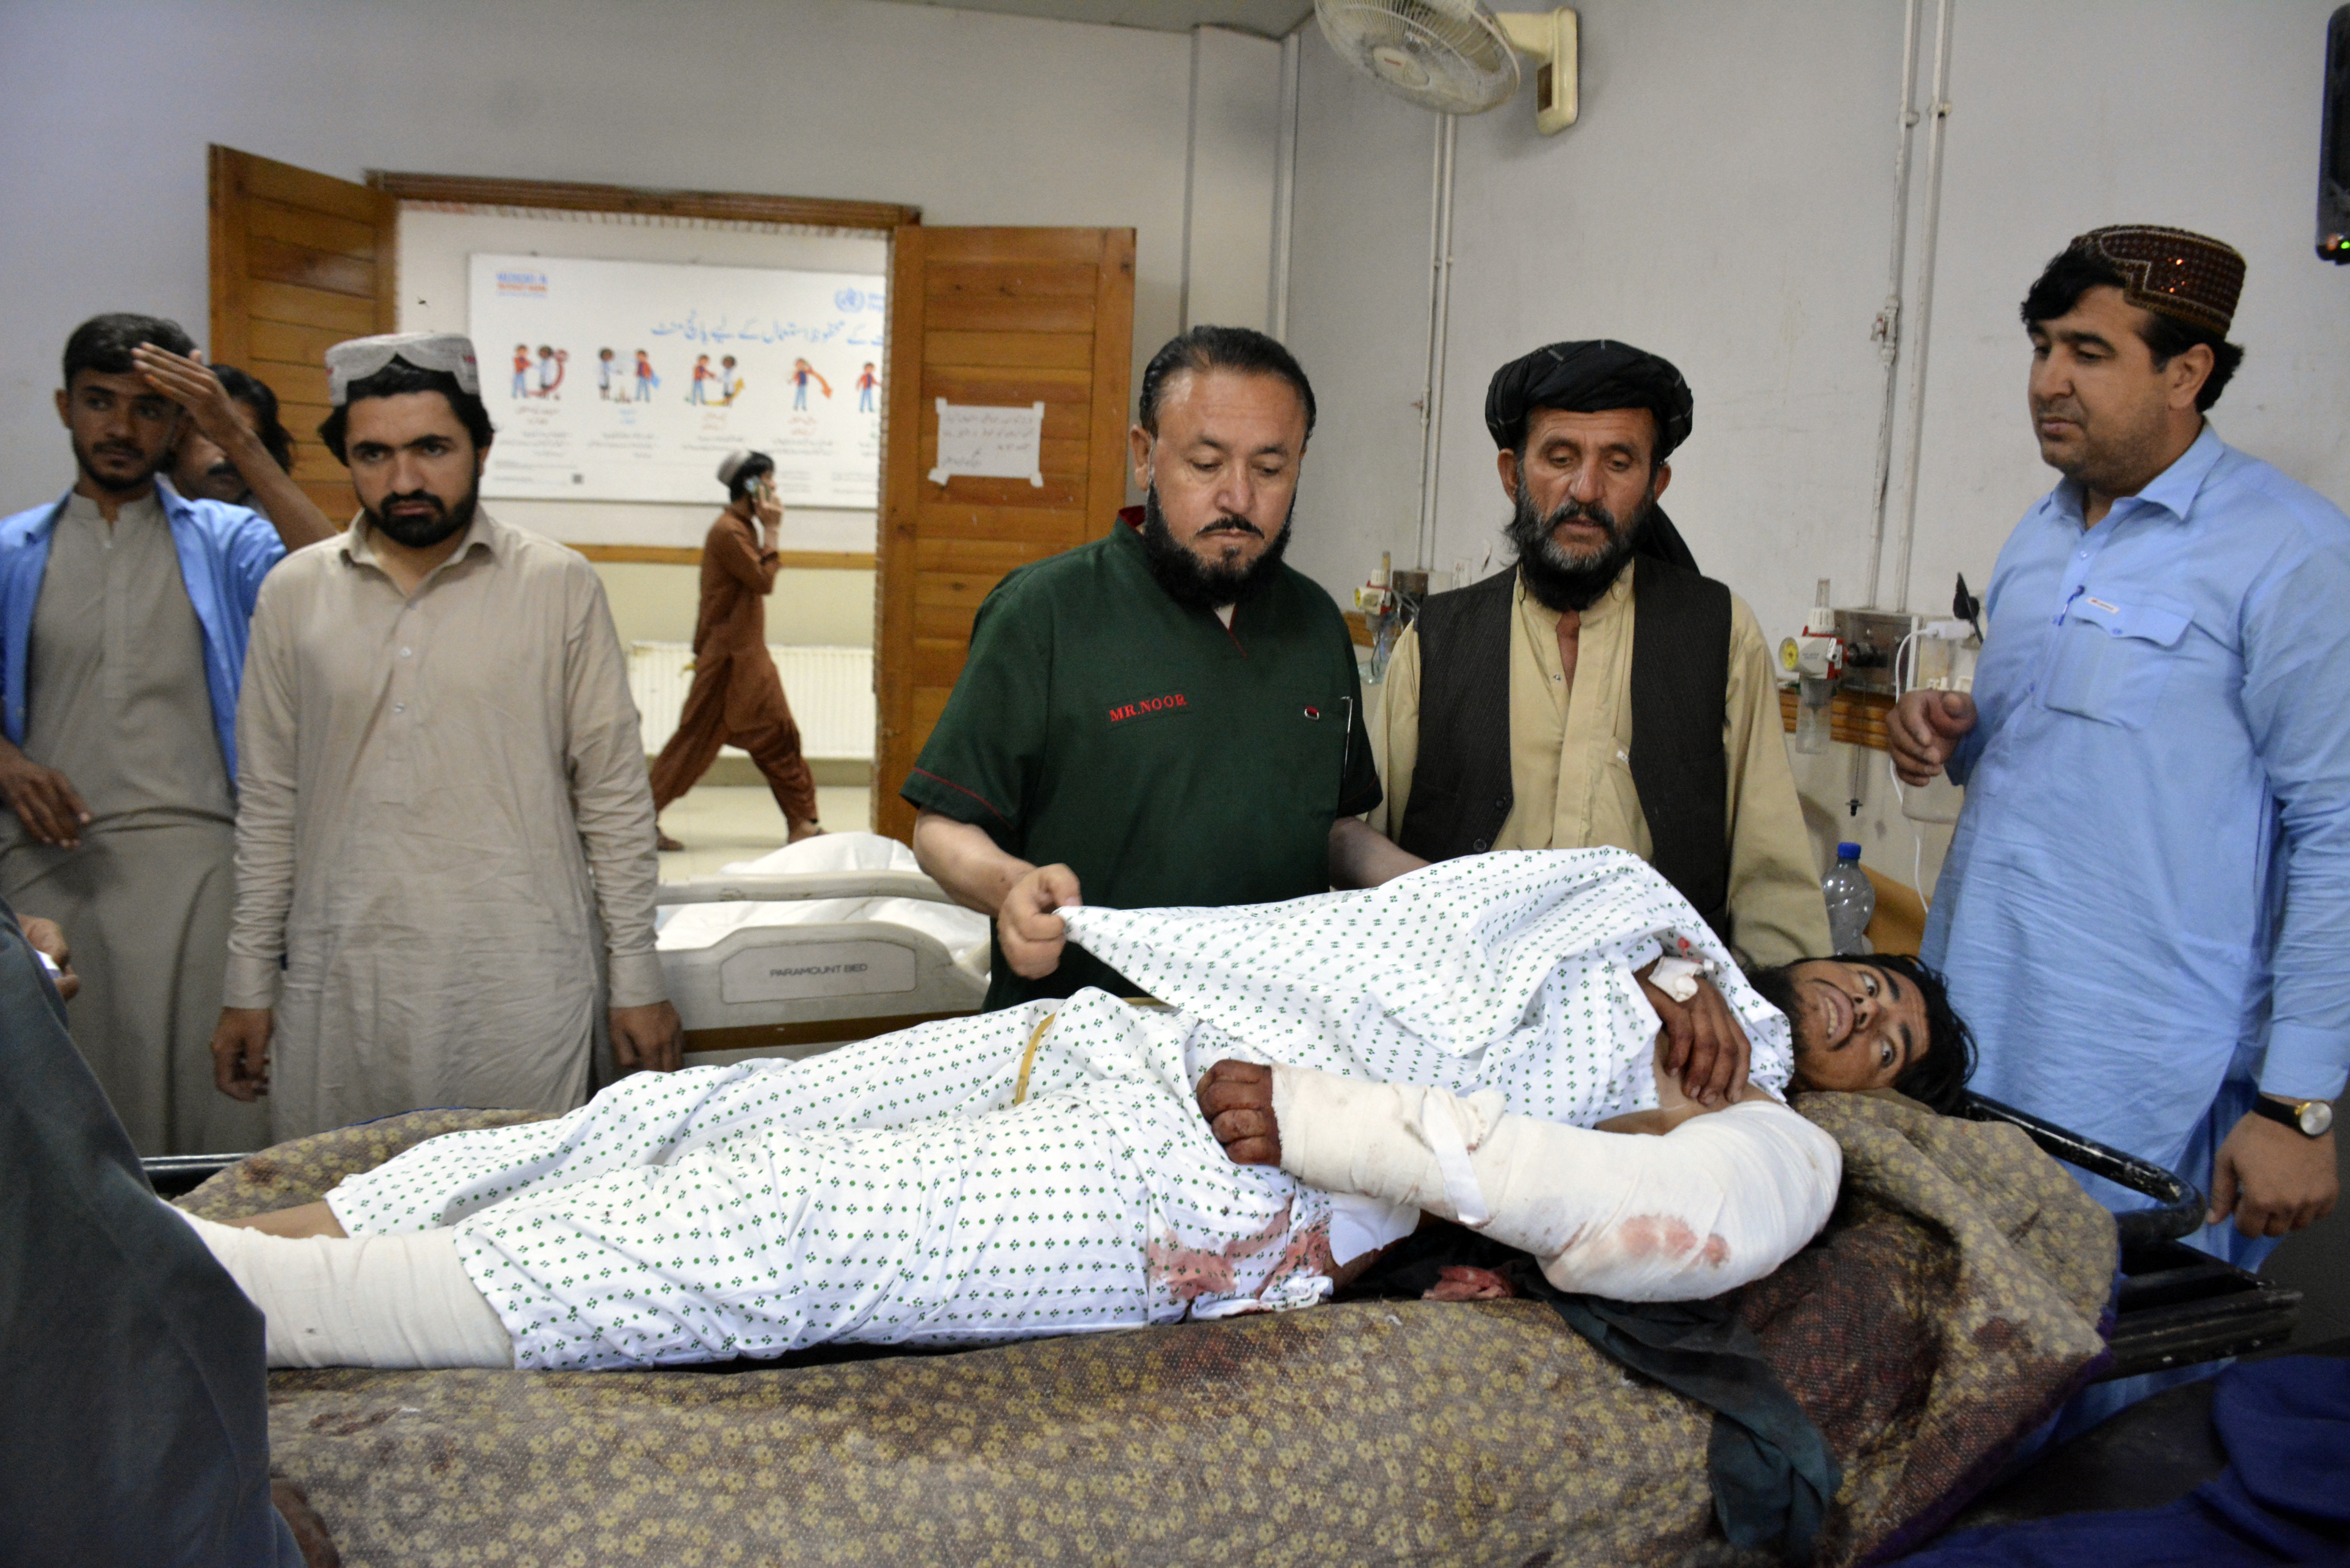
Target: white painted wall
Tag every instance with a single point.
(1726, 201)
(1357, 316)
(1235, 129)
(2200, 115)
(106, 107)
(1714, 205)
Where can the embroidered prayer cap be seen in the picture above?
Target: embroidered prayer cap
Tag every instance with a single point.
(731, 465)
(2188, 276)
(1588, 378)
(360, 358)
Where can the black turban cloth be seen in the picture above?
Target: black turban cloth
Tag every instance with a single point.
(1588, 378)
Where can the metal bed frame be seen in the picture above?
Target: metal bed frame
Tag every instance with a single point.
(2175, 1307)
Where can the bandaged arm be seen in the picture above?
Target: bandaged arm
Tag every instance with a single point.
(1721, 1201)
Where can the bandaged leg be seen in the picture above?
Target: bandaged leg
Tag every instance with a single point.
(1721, 1201)
(366, 1301)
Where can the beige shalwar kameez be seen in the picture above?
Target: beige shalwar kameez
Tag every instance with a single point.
(444, 819)
(1571, 762)
(116, 701)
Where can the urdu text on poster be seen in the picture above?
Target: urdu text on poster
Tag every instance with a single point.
(629, 381)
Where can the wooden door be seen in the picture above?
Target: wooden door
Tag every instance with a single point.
(300, 261)
(1008, 318)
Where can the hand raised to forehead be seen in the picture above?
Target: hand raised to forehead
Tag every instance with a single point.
(188, 381)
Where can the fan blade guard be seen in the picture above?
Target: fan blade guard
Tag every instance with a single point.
(1449, 56)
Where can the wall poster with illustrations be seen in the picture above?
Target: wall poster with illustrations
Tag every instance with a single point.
(613, 380)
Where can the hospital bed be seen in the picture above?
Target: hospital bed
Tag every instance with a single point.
(834, 939)
(1953, 1303)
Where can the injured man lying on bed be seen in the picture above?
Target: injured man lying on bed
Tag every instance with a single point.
(1446, 1043)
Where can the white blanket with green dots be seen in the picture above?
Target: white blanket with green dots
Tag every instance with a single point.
(893, 1191)
(1511, 972)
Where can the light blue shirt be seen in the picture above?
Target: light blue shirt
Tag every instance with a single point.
(225, 552)
(2152, 869)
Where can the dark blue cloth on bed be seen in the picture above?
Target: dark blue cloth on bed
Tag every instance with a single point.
(1772, 1471)
(134, 1419)
(2284, 1499)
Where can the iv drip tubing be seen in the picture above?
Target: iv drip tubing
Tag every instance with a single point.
(1439, 307)
(1928, 241)
(1889, 347)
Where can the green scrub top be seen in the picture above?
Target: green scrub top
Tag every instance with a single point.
(1164, 759)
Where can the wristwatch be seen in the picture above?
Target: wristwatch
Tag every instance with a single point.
(2310, 1118)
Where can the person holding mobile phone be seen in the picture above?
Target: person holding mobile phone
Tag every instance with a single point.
(737, 698)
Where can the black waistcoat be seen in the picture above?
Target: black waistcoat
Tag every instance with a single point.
(1461, 791)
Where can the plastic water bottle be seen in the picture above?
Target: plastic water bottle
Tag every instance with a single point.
(1851, 900)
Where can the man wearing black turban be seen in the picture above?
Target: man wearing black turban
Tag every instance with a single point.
(1601, 691)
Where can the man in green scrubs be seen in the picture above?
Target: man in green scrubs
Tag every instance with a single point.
(1168, 715)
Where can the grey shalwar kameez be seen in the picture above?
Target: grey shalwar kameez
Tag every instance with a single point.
(117, 704)
(444, 819)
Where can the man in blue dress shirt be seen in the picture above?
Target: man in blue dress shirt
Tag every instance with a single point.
(2146, 910)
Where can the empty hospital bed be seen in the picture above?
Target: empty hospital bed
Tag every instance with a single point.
(831, 940)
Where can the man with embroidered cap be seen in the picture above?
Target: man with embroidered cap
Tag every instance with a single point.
(736, 697)
(1168, 715)
(2147, 901)
(1601, 690)
(123, 612)
(445, 863)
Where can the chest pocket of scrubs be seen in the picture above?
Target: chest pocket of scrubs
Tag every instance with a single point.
(2112, 657)
(1324, 728)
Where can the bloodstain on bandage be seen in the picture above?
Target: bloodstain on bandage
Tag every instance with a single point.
(1717, 1250)
(1646, 1235)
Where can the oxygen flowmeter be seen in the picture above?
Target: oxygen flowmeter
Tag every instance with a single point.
(1816, 660)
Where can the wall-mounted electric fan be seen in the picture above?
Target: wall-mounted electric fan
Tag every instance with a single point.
(1455, 57)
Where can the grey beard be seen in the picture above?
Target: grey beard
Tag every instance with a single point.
(1193, 583)
(1560, 581)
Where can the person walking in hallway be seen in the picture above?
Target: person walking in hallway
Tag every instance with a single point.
(736, 697)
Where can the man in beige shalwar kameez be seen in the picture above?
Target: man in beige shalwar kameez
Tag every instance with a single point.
(444, 828)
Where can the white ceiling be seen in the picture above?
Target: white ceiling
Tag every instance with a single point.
(1268, 18)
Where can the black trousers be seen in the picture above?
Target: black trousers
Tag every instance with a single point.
(133, 1394)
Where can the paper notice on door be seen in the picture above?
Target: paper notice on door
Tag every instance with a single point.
(990, 443)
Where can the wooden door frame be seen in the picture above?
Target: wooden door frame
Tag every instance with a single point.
(228, 318)
(571, 196)
(282, 245)
(906, 490)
